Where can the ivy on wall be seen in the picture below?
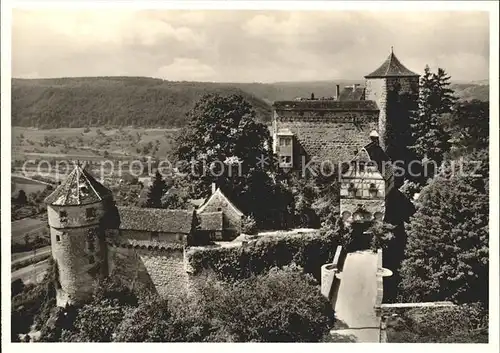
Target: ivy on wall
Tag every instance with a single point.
(309, 251)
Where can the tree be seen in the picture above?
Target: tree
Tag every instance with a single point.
(97, 320)
(284, 305)
(224, 144)
(22, 199)
(468, 125)
(447, 246)
(249, 226)
(156, 191)
(177, 195)
(149, 322)
(467, 323)
(436, 98)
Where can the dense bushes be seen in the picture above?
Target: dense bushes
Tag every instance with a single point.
(466, 323)
(284, 305)
(310, 251)
(32, 304)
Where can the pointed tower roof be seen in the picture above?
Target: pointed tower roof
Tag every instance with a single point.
(79, 188)
(392, 67)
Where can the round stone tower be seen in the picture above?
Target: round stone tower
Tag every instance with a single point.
(76, 212)
(395, 90)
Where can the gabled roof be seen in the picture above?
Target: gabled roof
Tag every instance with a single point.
(79, 188)
(218, 193)
(211, 220)
(392, 67)
(352, 94)
(374, 153)
(326, 105)
(155, 219)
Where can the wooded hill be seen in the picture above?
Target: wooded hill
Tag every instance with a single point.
(150, 102)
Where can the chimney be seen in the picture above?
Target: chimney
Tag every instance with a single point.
(337, 92)
(354, 86)
(214, 188)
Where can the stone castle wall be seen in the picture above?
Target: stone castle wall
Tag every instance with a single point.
(377, 90)
(326, 135)
(78, 263)
(78, 249)
(76, 215)
(161, 270)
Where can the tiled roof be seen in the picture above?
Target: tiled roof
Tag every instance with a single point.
(211, 220)
(352, 94)
(327, 105)
(374, 153)
(79, 188)
(391, 67)
(219, 195)
(155, 219)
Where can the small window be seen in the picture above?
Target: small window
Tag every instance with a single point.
(286, 159)
(90, 212)
(284, 141)
(154, 236)
(58, 237)
(219, 208)
(91, 245)
(361, 167)
(63, 215)
(91, 260)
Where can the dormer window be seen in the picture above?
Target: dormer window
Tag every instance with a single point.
(63, 216)
(90, 213)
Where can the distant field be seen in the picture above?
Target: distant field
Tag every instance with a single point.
(29, 186)
(24, 226)
(91, 144)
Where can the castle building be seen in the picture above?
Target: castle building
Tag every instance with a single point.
(337, 132)
(334, 130)
(366, 184)
(91, 237)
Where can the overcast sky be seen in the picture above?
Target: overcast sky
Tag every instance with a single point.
(244, 46)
